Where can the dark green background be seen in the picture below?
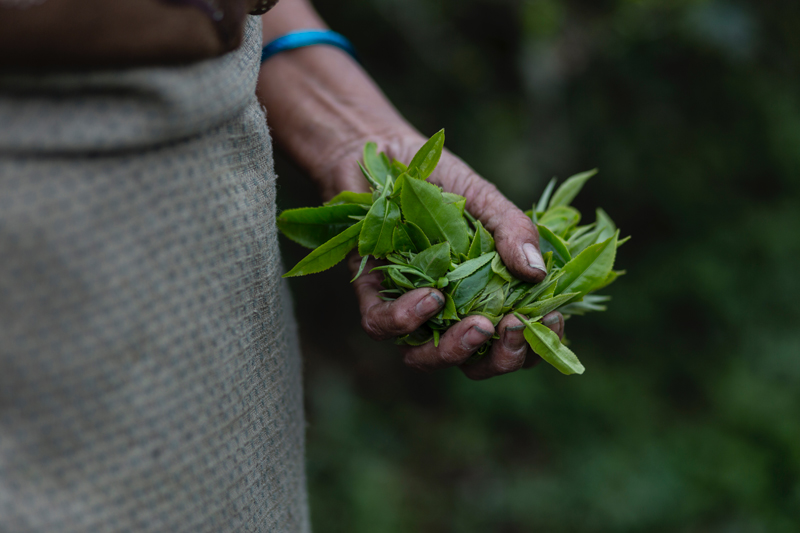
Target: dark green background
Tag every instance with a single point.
(688, 416)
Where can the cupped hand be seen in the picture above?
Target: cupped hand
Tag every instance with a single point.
(323, 107)
(517, 242)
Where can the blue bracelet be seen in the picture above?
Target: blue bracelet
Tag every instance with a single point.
(301, 38)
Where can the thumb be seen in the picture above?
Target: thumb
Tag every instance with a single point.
(515, 237)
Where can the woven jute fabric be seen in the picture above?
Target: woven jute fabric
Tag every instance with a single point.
(150, 378)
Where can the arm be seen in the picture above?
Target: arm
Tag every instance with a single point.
(81, 34)
(322, 108)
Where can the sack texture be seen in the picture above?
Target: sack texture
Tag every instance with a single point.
(150, 378)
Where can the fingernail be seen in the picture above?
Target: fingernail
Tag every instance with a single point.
(534, 257)
(514, 340)
(549, 320)
(475, 337)
(429, 305)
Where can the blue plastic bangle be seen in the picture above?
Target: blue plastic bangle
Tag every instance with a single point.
(301, 38)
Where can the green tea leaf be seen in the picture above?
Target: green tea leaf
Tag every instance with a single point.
(516, 294)
(416, 235)
(611, 278)
(570, 188)
(397, 188)
(350, 197)
(590, 303)
(589, 268)
(377, 165)
(499, 268)
(482, 242)
(398, 168)
(455, 199)
(468, 267)
(376, 235)
(579, 244)
(398, 259)
(560, 219)
(376, 185)
(547, 345)
(542, 307)
(406, 270)
(541, 205)
(449, 311)
(605, 226)
(495, 319)
(550, 242)
(467, 308)
(472, 220)
(537, 291)
(313, 226)
(423, 205)
(401, 241)
(398, 278)
(495, 284)
(328, 254)
(549, 293)
(469, 287)
(426, 159)
(422, 336)
(547, 257)
(580, 231)
(491, 302)
(360, 268)
(434, 261)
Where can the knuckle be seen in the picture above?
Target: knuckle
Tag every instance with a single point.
(506, 365)
(454, 356)
(414, 364)
(372, 328)
(398, 315)
(516, 225)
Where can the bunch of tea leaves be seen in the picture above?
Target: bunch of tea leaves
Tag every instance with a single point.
(427, 239)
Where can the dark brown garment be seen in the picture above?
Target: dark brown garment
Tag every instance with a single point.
(69, 34)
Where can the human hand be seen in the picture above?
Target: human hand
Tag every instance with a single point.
(517, 243)
(323, 107)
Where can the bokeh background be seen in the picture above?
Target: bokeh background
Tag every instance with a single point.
(688, 416)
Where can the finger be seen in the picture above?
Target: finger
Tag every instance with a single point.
(383, 320)
(517, 242)
(455, 346)
(515, 235)
(507, 354)
(554, 321)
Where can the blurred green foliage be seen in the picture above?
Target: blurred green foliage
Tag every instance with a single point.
(688, 416)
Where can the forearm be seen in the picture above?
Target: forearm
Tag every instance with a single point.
(321, 104)
(94, 34)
